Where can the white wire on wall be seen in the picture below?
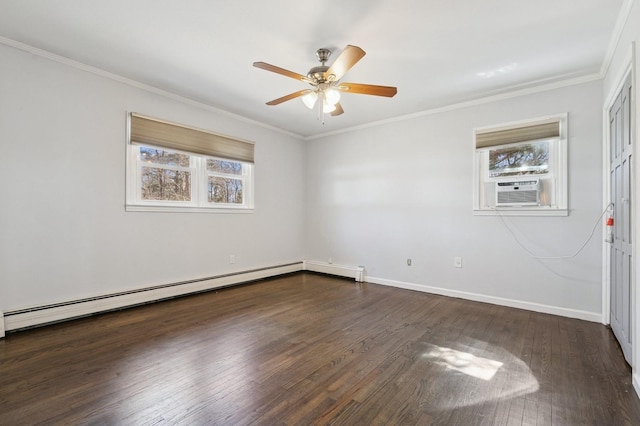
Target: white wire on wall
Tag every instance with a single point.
(530, 253)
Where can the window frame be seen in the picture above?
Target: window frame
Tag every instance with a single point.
(199, 182)
(553, 183)
(209, 173)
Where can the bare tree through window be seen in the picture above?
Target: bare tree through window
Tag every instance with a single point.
(191, 180)
(523, 159)
(167, 183)
(223, 189)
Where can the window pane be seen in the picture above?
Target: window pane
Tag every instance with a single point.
(167, 185)
(224, 166)
(159, 156)
(225, 190)
(525, 159)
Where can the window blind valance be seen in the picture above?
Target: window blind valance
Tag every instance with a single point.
(531, 132)
(146, 130)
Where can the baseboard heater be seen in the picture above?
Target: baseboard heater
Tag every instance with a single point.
(355, 272)
(41, 315)
(48, 314)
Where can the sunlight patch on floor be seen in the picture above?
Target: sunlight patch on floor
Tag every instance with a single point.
(485, 373)
(464, 362)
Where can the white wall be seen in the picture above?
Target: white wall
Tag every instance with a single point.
(64, 233)
(371, 197)
(622, 58)
(380, 195)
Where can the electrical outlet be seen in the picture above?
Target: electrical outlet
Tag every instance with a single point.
(408, 262)
(330, 261)
(232, 258)
(457, 262)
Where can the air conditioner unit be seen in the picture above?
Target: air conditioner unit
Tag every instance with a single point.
(518, 193)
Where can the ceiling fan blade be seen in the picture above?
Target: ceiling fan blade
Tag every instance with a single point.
(368, 89)
(281, 71)
(289, 97)
(343, 63)
(338, 110)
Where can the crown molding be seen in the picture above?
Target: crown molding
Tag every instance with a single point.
(138, 85)
(513, 93)
(623, 17)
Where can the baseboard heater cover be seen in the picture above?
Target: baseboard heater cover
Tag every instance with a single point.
(355, 272)
(36, 316)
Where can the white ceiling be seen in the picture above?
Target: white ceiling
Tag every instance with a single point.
(437, 52)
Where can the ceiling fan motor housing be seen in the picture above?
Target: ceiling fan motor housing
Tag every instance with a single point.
(323, 54)
(317, 74)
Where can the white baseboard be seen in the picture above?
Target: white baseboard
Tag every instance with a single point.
(635, 380)
(24, 318)
(355, 272)
(529, 306)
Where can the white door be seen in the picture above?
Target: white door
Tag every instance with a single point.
(621, 248)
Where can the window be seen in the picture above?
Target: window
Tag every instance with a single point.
(224, 181)
(174, 168)
(521, 168)
(520, 159)
(163, 175)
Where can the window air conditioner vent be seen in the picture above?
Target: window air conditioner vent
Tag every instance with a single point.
(518, 193)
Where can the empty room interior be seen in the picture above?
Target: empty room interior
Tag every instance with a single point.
(367, 212)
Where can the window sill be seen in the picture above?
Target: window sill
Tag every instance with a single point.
(521, 211)
(177, 209)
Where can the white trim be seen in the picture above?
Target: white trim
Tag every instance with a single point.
(635, 380)
(355, 272)
(508, 93)
(606, 184)
(199, 177)
(466, 104)
(620, 78)
(557, 178)
(540, 211)
(1, 325)
(529, 306)
(635, 294)
(635, 302)
(133, 83)
(60, 312)
(42, 315)
(621, 21)
(606, 194)
(185, 209)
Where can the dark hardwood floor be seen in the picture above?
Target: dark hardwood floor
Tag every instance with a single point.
(310, 349)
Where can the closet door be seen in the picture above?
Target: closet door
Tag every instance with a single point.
(621, 248)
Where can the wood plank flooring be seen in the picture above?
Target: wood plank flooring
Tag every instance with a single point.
(311, 349)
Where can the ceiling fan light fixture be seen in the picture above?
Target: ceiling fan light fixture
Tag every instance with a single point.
(325, 92)
(327, 107)
(332, 96)
(309, 99)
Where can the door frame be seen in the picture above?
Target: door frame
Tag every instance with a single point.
(620, 79)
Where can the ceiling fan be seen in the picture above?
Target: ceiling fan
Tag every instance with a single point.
(325, 81)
